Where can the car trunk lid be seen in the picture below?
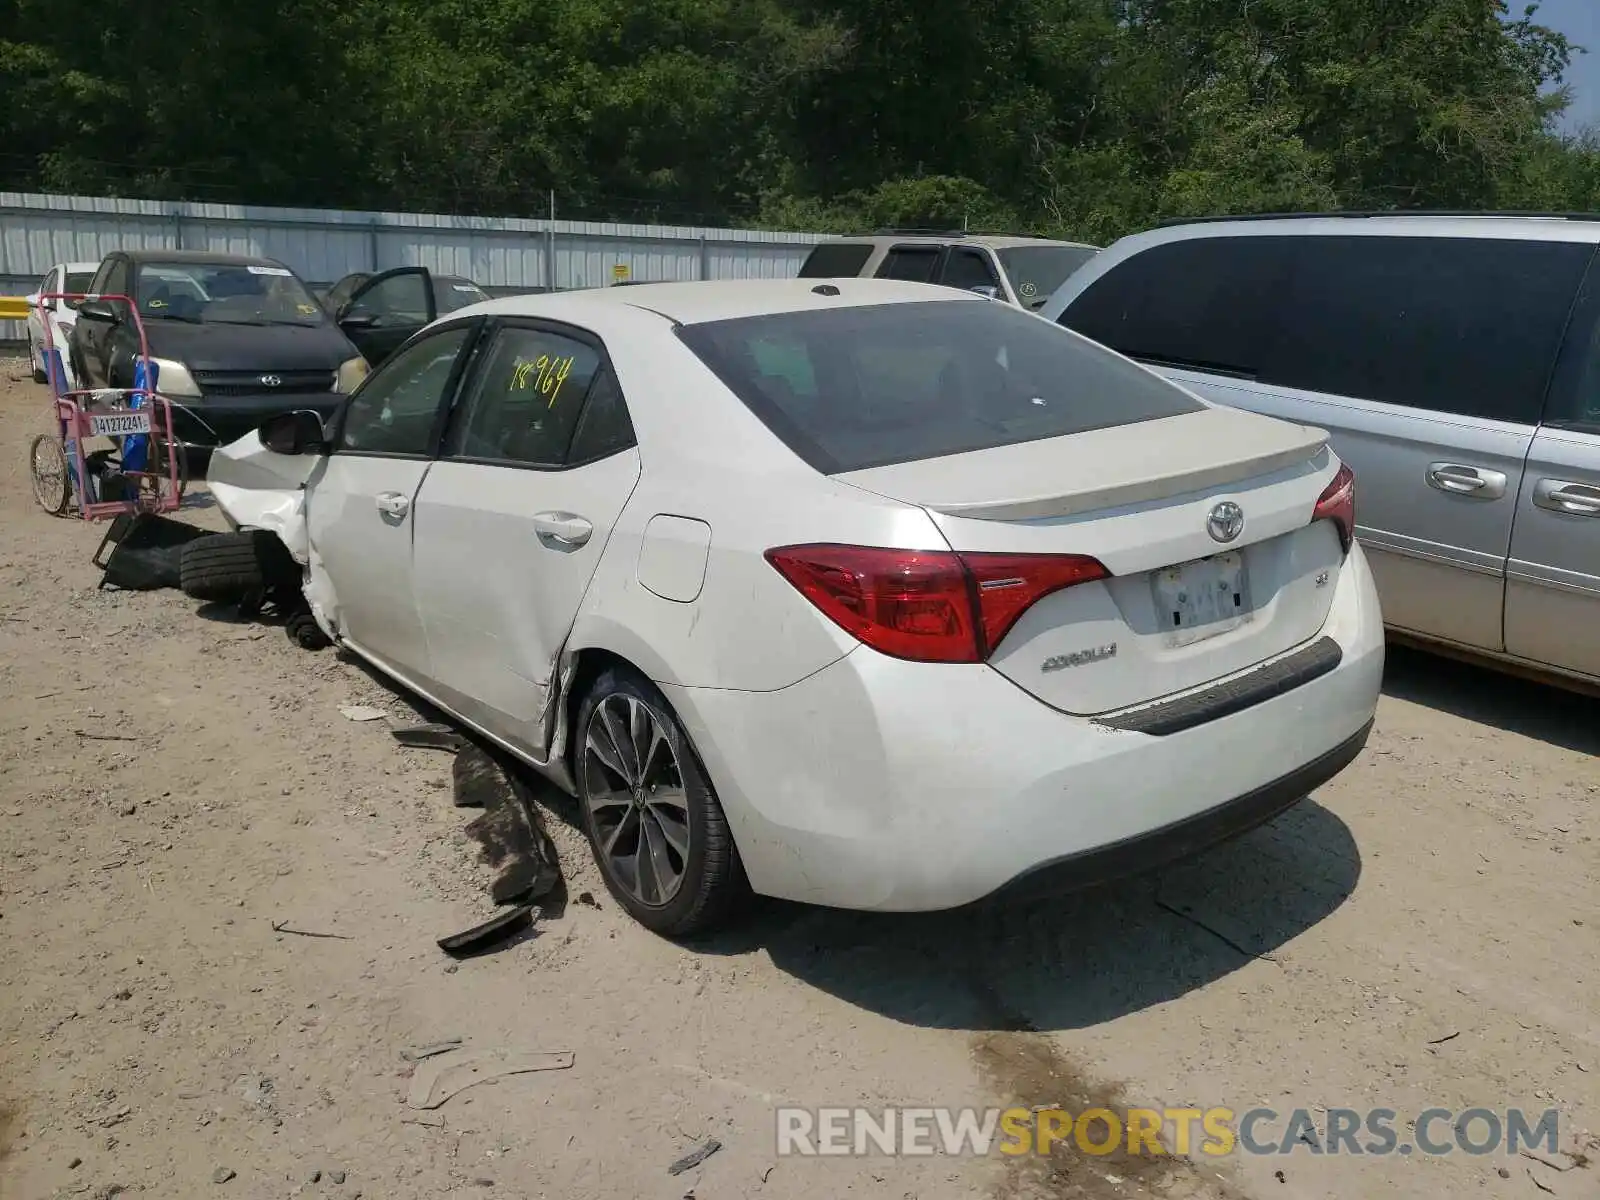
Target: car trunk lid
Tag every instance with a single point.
(1203, 520)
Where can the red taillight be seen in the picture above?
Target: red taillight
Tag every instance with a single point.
(1338, 504)
(927, 605)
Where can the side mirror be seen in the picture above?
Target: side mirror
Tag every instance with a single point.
(32, 300)
(98, 310)
(987, 290)
(297, 432)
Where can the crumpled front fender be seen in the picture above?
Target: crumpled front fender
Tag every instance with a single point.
(257, 488)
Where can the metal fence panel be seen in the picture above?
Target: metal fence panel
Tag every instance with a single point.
(506, 255)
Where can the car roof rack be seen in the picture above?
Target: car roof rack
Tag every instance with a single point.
(918, 231)
(1394, 212)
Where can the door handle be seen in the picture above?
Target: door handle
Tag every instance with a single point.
(564, 528)
(1461, 480)
(392, 504)
(1563, 496)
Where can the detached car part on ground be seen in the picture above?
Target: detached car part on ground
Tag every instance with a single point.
(862, 593)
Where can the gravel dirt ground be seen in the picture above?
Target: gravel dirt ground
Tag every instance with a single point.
(1422, 932)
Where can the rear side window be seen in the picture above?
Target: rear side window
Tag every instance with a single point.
(852, 388)
(836, 260)
(1209, 303)
(524, 405)
(913, 263)
(1468, 326)
(968, 269)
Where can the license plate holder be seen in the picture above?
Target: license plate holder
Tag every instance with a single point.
(1202, 599)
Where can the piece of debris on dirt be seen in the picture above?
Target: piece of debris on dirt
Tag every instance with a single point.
(695, 1157)
(336, 1176)
(285, 927)
(428, 1120)
(361, 712)
(1449, 1037)
(510, 831)
(481, 937)
(433, 736)
(1555, 1160)
(1539, 1183)
(437, 1080)
(418, 1053)
(587, 900)
(223, 1174)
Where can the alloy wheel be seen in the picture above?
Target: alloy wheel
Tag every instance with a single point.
(638, 808)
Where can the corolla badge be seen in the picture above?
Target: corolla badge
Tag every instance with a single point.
(1081, 658)
(271, 381)
(1226, 522)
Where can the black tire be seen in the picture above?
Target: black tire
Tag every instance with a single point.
(39, 375)
(712, 884)
(230, 567)
(304, 632)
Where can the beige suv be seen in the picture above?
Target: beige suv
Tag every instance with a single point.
(1020, 270)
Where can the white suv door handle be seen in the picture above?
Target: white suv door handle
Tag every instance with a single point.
(1461, 480)
(1563, 496)
(566, 528)
(392, 504)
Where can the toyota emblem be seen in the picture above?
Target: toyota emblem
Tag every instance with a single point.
(1226, 522)
(272, 381)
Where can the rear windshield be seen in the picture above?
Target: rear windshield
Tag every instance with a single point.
(450, 293)
(852, 388)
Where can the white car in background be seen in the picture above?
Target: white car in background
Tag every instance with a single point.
(62, 278)
(860, 593)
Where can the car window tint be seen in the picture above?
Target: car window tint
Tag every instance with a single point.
(101, 275)
(526, 400)
(1468, 326)
(1208, 303)
(836, 260)
(968, 269)
(913, 263)
(394, 411)
(450, 293)
(78, 283)
(397, 301)
(605, 427)
(859, 387)
(116, 283)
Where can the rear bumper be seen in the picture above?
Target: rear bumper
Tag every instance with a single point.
(896, 786)
(217, 420)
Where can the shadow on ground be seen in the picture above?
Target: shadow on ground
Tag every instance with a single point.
(1078, 960)
(1064, 963)
(1537, 710)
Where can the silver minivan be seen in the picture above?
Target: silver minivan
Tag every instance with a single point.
(1456, 362)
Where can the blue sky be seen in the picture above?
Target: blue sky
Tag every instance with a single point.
(1580, 21)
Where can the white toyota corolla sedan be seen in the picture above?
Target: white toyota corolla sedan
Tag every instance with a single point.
(855, 592)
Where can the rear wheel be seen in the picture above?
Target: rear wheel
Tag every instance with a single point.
(52, 486)
(231, 567)
(658, 834)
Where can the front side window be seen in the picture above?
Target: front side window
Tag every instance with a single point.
(857, 387)
(395, 302)
(525, 402)
(395, 410)
(224, 294)
(969, 269)
(78, 283)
